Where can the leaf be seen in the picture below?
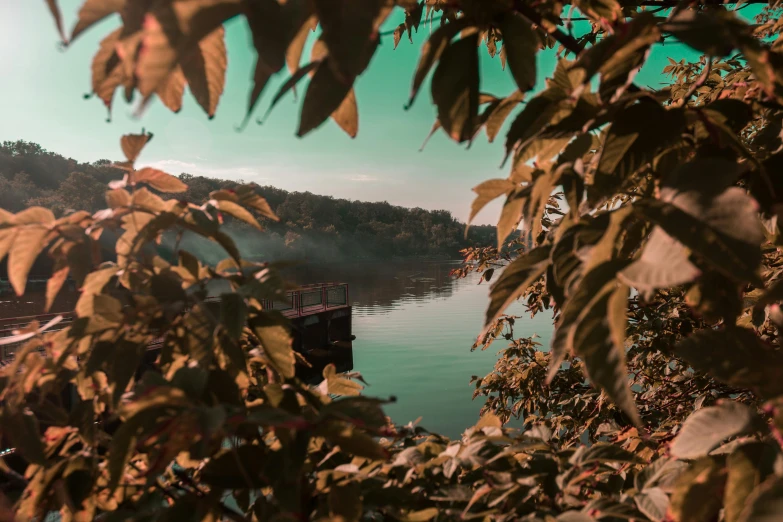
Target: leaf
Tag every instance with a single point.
(93, 11)
(455, 88)
(347, 115)
(486, 192)
(664, 263)
(352, 441)
(498, 116)
(349, 28)
(765, 504)
(54, 284)
(132, 144)
(511, 214)
(602, 452)
(432, 50)
(233, 314)
(190, 33)
(653, 502)
(293, 55)
(159, 180)
(696, 496)
(24, 433)
(366, 410)
(599, 340)
(239, 212)
(536, 115)
(324, 96)
(521, 44)
(236, 468)
(515, 280)
(268, 26)
(172, 89)
(737, 357)
(123, 442)
(277, 346)
(335, 384)
(724, 232)
(205, 70)
(748, 466)
(423, 515)
(58, 19)
(636, 134)
(345, 502)
(107, 70)
(707, 427)
(713, 33)
(28, 243)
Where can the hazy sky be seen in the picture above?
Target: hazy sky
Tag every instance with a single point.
(42, 102)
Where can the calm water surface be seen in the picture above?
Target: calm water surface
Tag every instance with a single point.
(414, 326)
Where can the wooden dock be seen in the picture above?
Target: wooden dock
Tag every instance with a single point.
(320, 316)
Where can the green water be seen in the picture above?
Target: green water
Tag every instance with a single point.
(414, 327)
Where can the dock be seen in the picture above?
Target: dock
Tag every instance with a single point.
(320, 317)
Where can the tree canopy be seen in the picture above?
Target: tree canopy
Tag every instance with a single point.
(653, 217)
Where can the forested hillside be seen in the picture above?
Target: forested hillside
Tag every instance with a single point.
(310, 226)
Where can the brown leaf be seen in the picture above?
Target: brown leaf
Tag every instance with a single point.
(205, 70)
(455, 88)
(499, 114)
(159, 180)
(239, 212)
(132, 144)
(29, 242)
(486, 192)
(54, 284)
(293, 55)
(93, 11)
(171, 90)
(173, 31)
(521, 44)
(107, 70)
(511, 214)
(350, 30)
(58, 19)
(324, 95)
(432, 50)
(117, 198)
(347, 115)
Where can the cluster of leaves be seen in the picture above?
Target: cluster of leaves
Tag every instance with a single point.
(673, 193)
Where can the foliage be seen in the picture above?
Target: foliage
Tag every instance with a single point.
(673, 193)
(310, 226)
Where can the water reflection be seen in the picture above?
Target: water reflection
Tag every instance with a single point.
(380, 287)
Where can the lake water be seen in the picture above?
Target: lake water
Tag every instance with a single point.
(414, 327)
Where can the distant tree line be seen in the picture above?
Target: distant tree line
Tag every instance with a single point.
(310, 226)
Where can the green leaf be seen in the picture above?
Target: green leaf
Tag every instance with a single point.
(432, 50)
(706, 428)
(748, 466)
(455, 88)
(233, 314)
(697, 492)
(521, 44)
(737, 357)
(653, 502)
(515, 280)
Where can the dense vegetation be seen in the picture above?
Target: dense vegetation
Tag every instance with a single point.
(315, 227)
(663, 403)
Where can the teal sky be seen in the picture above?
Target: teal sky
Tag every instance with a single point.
(42, 102)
